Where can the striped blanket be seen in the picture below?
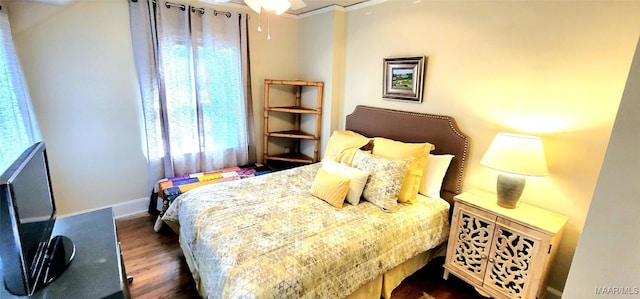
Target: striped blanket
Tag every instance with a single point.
(166, 190)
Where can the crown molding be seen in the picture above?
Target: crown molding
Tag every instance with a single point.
(322, 10)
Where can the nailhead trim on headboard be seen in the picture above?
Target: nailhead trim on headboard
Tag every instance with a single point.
(389, 123)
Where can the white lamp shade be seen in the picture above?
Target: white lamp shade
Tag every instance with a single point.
(516, 154)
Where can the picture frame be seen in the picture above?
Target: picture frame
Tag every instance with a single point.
(403, 78)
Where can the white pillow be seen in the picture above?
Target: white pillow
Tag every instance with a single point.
(358, 178)
(437, 166)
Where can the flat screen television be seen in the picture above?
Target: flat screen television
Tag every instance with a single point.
(30, 257)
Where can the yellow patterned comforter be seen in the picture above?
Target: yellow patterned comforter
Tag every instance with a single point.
(268, 237)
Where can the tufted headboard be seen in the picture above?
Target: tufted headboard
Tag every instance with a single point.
(405, 126)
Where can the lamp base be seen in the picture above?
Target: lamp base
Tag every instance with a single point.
(510, 188)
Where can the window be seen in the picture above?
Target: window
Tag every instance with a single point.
(18, 128)
(191, 67)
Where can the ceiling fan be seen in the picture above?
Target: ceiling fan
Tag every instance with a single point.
(277, 6)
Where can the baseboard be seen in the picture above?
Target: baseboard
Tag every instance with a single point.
(131, 207)
(552, 293)
(122, 209)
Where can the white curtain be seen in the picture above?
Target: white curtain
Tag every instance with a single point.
(193, 70)
(18, 126)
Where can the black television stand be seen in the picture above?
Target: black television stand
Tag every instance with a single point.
(97, 269)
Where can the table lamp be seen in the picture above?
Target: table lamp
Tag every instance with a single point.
(514, 156)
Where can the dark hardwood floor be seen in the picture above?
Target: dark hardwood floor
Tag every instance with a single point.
(160, 271)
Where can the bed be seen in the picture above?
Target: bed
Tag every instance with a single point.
(271, 237)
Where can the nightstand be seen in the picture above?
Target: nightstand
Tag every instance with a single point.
(503, 253)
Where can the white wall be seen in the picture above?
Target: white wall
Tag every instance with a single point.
(550, 68)
(271, 59)
(321, 58)
(606, 256)
(78, 63)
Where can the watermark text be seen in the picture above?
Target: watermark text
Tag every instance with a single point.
(618, 290)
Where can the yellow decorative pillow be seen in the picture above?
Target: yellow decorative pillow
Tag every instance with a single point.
(330, 188)
(358, 178)
(342, 146)
(394, 150)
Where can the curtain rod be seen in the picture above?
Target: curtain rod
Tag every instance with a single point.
(194, 9)
(184, 7)
(216, 12)
(169, 5)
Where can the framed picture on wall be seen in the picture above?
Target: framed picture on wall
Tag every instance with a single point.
(403, 78)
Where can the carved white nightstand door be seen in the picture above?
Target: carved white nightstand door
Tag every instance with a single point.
(472, 242)
(514, 250)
